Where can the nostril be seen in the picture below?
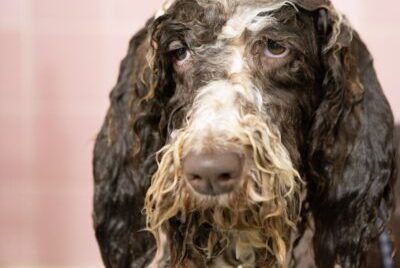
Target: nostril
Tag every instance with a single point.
(225, 177)
(194, 177)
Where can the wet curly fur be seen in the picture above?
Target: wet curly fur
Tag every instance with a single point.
(315, 129)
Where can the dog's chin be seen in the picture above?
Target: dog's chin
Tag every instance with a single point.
(212, 201)
(205, 201)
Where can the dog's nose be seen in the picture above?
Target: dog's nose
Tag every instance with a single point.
(213, 173)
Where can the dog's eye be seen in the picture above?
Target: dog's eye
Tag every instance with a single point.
(275, 50)
(180, 55)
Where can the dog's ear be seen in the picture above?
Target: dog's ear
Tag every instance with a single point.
(124, 157)
(350, 151)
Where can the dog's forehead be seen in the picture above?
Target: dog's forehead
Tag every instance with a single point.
(230, 5)
(251, 16)
(240, 16)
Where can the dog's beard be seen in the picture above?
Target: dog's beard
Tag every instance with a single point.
(260, 215)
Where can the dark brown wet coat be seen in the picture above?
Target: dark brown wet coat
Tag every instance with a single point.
(326, 100)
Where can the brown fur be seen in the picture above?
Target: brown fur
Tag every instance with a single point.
(313, 126)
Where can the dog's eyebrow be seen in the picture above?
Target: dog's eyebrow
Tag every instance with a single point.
(175, 45)
(264, 14)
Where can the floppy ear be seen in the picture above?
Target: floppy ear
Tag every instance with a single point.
(350, 151)
(124, 159)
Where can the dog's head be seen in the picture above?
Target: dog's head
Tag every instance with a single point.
(267, 110)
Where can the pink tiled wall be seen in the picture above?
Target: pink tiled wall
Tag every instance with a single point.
(58, 62)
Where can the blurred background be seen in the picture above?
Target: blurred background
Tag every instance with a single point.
(58, 61)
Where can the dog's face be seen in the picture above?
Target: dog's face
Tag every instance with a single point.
(245, 86)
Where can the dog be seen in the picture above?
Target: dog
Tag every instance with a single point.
(235, 129)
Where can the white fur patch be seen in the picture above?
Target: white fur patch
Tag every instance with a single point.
(237, 61)
(246, 17)
(217, 105)
(165, 6)
(214, 107)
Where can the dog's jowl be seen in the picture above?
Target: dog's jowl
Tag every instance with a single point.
(236, 129)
